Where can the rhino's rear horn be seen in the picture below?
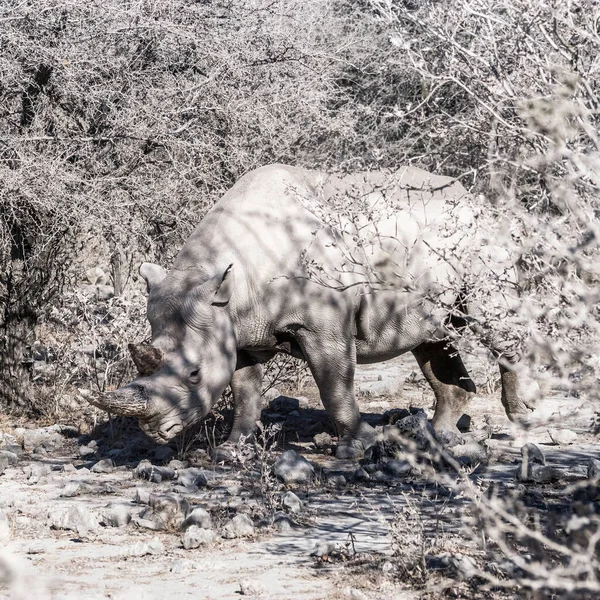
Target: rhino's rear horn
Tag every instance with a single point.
(146, 358)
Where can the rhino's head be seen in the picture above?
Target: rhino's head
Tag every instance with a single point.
(191, 359)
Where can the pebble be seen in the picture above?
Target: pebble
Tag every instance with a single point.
(562, 437)
(532, 454)
(291, 502)
(74, 488)
(322, 440)
(195, 536)
(593, 468)
(11, 458)
(153, 547)
(116, 514)
(106, 465)
(73, 518)
(290, 467)
(198, 517)
(240, 526)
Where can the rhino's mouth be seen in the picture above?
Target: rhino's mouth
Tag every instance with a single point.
(163, 429)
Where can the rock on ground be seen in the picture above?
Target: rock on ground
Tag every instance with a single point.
(75, 518)
(116, 514)
(195, 536)
(240, 526)
(291, 502)
(198, 517)
(290, 467)
(562, 437)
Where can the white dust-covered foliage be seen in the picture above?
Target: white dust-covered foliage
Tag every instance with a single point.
(516, 84)
(524, 78)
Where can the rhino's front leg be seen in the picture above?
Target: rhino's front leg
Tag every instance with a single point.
(246, 385)
(332, 359)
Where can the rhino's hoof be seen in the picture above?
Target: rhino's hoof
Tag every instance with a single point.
(350, 450)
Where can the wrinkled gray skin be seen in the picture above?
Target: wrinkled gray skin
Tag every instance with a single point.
(271, 268)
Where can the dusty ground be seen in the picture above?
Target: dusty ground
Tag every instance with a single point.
(367, 521)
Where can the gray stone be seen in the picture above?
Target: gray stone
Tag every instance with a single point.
(593, 468)
(449, 439)
(536, 473)
(415, 428)
(36, 440)
(142, 496)
(116, 514)
(290, 467)
(361, 475)
(397, 468)
(284, 405)
(148, 519)
(146, 470)
(322, 440)
(379, 476)
(475, 452)
(153, 547)
(336, 479)
(3, 464)
(192, 477)
(291, 502)
(182, 566)
(75, 488)
(562, 437)
(74, 518)
(195, 537)
(68, 468)
(349, 593)
(178, 465)
(251, 587)
(10, 457)
(35, 471)
(282, 522)
(39, 547)
(532, 454)
(240, 526)
(6, 439)
(170, 508)
(86, 451)
(106, 465)
(199, 518)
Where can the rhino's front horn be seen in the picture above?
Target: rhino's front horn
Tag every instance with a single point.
(127, 401)
(146, 357)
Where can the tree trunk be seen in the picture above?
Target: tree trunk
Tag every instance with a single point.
(16, 391)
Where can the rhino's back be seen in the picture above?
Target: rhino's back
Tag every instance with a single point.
(284, 227)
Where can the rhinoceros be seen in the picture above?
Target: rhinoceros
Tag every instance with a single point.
(336, 270)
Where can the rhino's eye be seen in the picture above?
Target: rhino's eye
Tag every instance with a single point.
(194, 376)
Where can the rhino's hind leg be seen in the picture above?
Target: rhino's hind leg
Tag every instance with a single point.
(453, 387)
(246, 385)
(332, 360)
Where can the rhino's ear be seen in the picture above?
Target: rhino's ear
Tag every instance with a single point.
(153, 274)
(215, 291)
(225, 289)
